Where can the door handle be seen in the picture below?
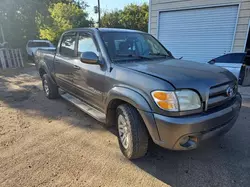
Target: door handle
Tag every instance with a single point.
(76, 67)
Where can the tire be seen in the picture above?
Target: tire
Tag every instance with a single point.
(242, 75)
(131, 125)
(33, 59)
(49, 88)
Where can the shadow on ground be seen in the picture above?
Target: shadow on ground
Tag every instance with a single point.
(24, 92)
(222, 162)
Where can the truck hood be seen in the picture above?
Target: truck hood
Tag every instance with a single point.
(183, 74)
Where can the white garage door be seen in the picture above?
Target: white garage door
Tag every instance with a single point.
(198, 34)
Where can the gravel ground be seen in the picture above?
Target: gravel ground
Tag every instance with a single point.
(51, 143)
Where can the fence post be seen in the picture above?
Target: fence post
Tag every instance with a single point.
(16, 57)
(13, 57)
(8, 60)
(21, 57)
(2, 59)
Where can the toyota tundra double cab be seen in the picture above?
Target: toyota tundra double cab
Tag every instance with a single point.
(128, 79)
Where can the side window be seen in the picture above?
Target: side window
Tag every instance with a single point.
(86, 43)
(222, 59)
(231, 58)
(236, 58)
(68, 45)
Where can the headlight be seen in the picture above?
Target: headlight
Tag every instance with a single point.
(182, 100)
(188, 100)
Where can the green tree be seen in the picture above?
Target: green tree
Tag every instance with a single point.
(135, 17)
(112, 19)
(62, 17)
(17, 19)
(131, 17)
(22, 19)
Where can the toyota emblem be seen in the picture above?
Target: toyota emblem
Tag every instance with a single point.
(230, 92)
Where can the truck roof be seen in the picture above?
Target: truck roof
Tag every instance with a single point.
(106, 30)
(38, 41)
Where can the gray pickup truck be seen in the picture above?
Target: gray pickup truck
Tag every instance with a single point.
(128, 79)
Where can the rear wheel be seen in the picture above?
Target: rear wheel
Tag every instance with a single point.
(33, 58)
(132, 133)
(49, 88)
(29, 57)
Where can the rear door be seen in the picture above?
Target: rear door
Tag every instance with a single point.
(89, 80)
(64, 61)
(232, 62)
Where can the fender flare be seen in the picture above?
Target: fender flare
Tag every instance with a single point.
(139, 102)
(128, 95)
(43, 66)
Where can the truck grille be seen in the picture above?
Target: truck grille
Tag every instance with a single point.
(221, 94)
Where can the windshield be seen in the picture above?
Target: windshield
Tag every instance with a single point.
(39, 44)
(123, 46)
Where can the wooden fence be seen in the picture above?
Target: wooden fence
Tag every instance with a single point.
(11, 58)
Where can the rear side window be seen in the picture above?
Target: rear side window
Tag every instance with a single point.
(86, 43)
(67, 47)
(231, 58)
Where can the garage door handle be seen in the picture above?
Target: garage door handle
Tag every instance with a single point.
(76, 67)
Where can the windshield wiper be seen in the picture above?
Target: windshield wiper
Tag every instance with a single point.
(134, 56)
(158, 54)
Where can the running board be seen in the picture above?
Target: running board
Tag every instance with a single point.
(99, 116)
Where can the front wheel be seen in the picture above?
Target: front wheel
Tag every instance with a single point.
(132, 132)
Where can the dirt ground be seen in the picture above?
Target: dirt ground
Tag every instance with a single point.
(51, 143)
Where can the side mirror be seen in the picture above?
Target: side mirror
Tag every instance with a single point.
(89, 58)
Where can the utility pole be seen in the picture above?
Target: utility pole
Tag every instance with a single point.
(99, 14)
(1, 28)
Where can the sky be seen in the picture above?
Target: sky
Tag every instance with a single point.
(108, 5)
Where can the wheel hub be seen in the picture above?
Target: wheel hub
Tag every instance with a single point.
(46, 87)
(124, 132)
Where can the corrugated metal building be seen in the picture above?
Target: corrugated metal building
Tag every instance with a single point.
(200, 30)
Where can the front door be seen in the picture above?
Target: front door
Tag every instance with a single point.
(64, 61)
(89, 80)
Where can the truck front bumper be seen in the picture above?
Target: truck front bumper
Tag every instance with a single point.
(185, 133)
